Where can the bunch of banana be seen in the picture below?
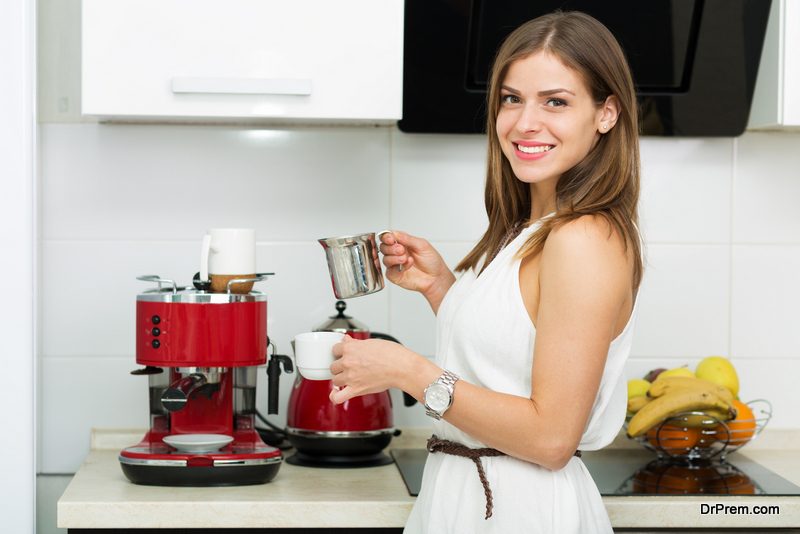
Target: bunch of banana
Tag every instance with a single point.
(637, 403)
(672, 383)
(671, 396)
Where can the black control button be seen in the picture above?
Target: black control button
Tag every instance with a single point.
(156, 319)
(155, 343)
(156, 331)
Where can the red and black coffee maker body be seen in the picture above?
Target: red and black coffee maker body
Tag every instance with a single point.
(201, 352)
(351, 434)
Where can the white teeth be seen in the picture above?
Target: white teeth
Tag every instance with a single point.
(534, 149)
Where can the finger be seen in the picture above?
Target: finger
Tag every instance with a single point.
(337, 367)
(342, 395)
(394, 261)
(338, 381)
(392, 250)
(388, 238)
(410, 241)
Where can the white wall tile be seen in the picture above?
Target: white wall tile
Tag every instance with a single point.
(88, 291)
(770, 379)
(77, 394)
(112, 181)
(686, 189)
(765, 293)
(437, 185)
(767, 188)
(684, 302)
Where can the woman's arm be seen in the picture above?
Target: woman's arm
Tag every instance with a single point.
(585, 281)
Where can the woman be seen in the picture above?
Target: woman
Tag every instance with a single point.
(533, 336)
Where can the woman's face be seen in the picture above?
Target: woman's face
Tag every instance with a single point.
(547, 121)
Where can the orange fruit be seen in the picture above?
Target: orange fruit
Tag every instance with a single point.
(673, 439)
(740, 429)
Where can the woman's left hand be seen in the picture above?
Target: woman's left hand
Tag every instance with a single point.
(367, 366)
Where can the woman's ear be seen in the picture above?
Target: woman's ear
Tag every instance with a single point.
(607, 114)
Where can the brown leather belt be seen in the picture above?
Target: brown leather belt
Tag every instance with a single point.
(457, 449)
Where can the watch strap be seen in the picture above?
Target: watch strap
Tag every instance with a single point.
(447, 379)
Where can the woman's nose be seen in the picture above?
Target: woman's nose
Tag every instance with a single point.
(529, 119)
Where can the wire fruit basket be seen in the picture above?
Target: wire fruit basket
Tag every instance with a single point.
(701, 436)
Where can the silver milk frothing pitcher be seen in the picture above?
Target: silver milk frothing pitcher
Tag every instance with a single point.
(354, 265)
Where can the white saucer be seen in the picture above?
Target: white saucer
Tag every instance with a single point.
(198, 442)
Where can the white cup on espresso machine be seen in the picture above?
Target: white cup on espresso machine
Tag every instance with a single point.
(228, 259)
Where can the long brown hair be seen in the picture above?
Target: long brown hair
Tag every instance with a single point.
(606, 181)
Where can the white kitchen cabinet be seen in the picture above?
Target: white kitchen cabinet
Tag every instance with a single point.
(776, 101)
(298, 60)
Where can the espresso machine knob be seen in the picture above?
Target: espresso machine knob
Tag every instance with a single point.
(175, 397)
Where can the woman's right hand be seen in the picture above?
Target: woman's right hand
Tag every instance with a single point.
(412, 263)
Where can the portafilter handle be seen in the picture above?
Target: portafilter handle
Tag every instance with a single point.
(176, 396)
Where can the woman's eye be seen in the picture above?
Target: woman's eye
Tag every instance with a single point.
(509, 99)
(555, 102)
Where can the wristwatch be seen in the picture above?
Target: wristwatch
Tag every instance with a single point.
(439, 395)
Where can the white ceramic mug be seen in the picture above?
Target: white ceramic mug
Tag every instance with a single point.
(313, 353)
(227, 254)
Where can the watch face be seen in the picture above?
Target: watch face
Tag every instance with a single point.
(437, 397)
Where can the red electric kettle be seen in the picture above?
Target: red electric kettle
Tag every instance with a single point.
(351, 434)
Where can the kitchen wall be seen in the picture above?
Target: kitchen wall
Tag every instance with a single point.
(120, 200)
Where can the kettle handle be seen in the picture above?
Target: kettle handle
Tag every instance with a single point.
(408, 400)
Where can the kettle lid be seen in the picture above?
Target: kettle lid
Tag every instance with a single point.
(341, 322)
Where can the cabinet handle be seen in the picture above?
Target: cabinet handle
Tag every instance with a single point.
(243, 86)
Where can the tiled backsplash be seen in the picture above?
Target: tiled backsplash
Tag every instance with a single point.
(118, 201)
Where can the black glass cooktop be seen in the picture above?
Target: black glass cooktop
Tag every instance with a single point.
(636, 472)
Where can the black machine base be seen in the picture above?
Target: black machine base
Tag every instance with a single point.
(152, 475)
(333, 461)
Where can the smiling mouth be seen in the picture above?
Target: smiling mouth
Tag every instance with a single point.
(538, 149)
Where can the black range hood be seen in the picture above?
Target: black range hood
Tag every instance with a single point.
(694, 62)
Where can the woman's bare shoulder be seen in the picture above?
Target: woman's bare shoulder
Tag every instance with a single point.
(586, 234)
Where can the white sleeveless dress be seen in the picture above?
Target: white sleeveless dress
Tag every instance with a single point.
(486, 337)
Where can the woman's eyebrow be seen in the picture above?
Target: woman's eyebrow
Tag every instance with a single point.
(554, 92)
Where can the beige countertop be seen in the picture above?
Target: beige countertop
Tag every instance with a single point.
(99, 496)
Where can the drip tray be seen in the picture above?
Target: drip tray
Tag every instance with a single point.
(411, 463)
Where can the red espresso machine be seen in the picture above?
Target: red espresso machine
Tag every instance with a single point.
(201, 353)
(351, 434)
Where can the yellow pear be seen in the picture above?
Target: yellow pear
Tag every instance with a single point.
(677, 371)
(719, 370)
(637, 387)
